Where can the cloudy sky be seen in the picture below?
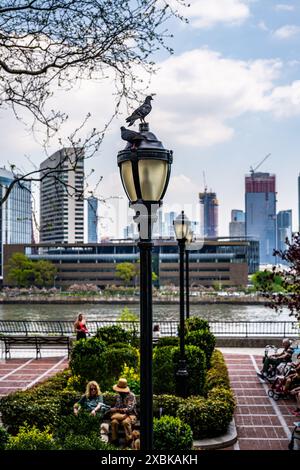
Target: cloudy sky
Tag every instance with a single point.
(228, 96)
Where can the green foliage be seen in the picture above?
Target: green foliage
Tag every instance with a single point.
(24, 272)
(163, 370)
(31, 438)
(171, 433)
(111, 363)
(114, 334)
(83, 442)
(86, 359)
(195, 324)
(83, 424)
(127, 315)
(217, 375)
(167, 341)
(204, 340)
(267, 281)
(166, 405)
(3, 437)
(127, 271)
(165, 365)
(133, 378)
(196, 367)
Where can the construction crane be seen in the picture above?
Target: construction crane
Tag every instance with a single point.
(253, 170)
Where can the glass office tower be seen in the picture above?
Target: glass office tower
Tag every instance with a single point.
(92, 204)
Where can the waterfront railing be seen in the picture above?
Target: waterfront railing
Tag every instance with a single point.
(238, 329)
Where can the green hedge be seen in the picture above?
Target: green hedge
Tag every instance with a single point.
(83, 442)
(31, 438)
(204, 340)
(111, 364)
(167, 341)
(85, 358)
(165, 366)
(217, 375)
(114, 334)
(3, 437)
(171, 433)
(166, 405)
(195, 324)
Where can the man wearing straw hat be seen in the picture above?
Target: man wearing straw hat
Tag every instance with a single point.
(124, 412)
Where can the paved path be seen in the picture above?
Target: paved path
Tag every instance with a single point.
(261, 422)
(20, 374)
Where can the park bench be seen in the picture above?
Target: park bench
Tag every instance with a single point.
(34, 342)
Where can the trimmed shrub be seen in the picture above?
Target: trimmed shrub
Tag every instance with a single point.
(83, 442)
(3, 437)
(114, 334)
(217, 374)
(86, 359)
(111, 363)
(84, 424)
(163, 370)
(167, 341)
(166, 405)
(195, 324)
(196, 367)
(208, 417)
(31, 438)
(204, 340)
(165, 366)
(171, 433)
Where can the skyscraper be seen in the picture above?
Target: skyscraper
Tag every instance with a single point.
(209, 213)
(61, 197)
(237, 223)
(92, 205)
(284, 228)
(15, 213)
(260, 202)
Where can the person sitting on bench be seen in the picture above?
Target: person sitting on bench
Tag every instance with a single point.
(124, 412)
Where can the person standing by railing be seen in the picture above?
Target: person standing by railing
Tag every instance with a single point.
(80, 327)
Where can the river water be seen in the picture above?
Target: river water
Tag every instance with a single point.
(215, 312)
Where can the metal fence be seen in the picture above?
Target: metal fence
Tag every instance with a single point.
(238, 329)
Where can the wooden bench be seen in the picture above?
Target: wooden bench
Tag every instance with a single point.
(36, 342)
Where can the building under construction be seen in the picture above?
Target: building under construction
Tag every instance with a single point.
(209, 211)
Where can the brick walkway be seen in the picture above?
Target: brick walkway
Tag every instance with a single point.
(20, 374)
(261, 422)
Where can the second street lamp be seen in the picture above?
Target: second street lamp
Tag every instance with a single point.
(145, 172)
(187, 274)
(182, 229)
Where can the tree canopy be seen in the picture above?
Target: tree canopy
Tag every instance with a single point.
(23, 272)
(267, 281)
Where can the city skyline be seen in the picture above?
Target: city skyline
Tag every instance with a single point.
(227, 97)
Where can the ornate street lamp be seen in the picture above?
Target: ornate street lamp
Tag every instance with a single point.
(187, 274)
(145, 167)
(182, 231)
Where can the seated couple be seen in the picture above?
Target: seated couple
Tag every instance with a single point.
(123, 413)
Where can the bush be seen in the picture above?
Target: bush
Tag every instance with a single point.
(166, 405)
(83, 442)
(31, 438)
(132, 377)
(165, 366)
(204, 340)
(114, 334)
(217, 374)
(171, 433)
(195, 324)
(3, 437)
(83, 424)
(163, 370)
(167, 341)
(208, 417)
(111, 363)
(86, 359)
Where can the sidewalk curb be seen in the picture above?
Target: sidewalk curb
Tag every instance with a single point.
(226, 440)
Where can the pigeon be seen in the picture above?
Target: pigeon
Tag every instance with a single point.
(141, 112)
(132, 137)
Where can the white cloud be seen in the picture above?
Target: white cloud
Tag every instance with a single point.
(285, 100)
(287, 31)
(205, 14)
(262, 25)
(284, 7)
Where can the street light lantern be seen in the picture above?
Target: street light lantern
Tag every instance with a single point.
(182, 227)
(145, 167)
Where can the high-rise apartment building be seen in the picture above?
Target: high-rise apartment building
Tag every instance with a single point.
(237, 223)
(209, 206)
(61, 197)
(260, 202)
(15, 213)
(284, 228)
(92, 213)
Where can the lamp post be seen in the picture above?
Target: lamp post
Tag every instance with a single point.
(181, 228)
(187, 274)
(145, 172)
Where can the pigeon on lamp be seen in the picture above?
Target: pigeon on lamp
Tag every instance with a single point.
(132, 137)
(141, 112)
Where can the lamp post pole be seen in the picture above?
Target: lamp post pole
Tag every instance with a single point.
(187, 284)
